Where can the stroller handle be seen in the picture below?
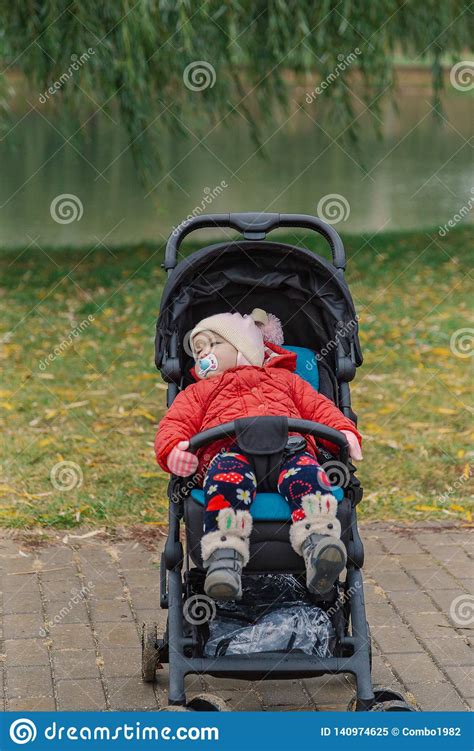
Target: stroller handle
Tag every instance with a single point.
(254, 226)
(316, 429)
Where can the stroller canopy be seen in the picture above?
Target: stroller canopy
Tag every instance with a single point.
(306, 292)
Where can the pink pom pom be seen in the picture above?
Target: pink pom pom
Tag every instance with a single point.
(273, 331)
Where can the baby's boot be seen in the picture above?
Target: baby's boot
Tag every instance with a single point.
(225, 552)
(315, 536)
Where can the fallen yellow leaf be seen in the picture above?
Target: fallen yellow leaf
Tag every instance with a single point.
(422, 507)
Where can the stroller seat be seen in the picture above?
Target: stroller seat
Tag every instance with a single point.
(269, 543)
(267, 507)
(272, 506)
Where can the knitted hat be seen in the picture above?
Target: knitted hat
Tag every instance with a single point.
(246, 333)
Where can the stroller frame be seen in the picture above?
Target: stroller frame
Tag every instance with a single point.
(179, 645)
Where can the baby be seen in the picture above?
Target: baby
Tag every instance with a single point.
(242, 371)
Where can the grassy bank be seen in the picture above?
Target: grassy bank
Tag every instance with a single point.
(79, 383)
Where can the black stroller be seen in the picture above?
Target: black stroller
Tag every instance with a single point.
(311, 298)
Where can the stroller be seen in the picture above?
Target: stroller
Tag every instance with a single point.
(311, 298)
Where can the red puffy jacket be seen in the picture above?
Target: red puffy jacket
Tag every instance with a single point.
(245, 391)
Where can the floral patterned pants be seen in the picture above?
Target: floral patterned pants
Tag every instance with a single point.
(230, 481)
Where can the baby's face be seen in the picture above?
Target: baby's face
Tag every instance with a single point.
(213, 354)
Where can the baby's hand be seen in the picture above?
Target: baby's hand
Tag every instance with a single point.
(354, 448)
(181, 462)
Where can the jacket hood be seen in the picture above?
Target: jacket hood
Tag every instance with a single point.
(275, 357)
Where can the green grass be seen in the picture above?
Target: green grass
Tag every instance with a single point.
(97, 403)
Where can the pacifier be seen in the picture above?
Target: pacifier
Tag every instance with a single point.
(206, 364)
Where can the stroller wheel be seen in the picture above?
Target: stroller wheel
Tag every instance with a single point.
(381, 696)
(207, 703)
(392, 706)
(150, 654)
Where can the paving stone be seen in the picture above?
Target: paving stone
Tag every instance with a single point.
(429, 625)
(415, 668)
(31, 681)
(436, 697)
(467, 584)
(394, 581)
(81, 695)
(396, 640)
(383, 614)
(121, 662)
(65, 612)
(238, 700)
(58, 573)
(62, 590)
(111, 610)
(75, 663)
(22, 602)
(433, 578)
(275, 693)
(113, 635)
(412, 602)
(452, 650)
(381, 562)
(127, 694)
(102, 591)
(463, 679)
(74, 635)
(25, 652)
(27, 583)
(24, 626)
(330, 689)
(37, 704)
(443, 598)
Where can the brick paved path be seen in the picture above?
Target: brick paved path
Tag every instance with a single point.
(418, 591)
